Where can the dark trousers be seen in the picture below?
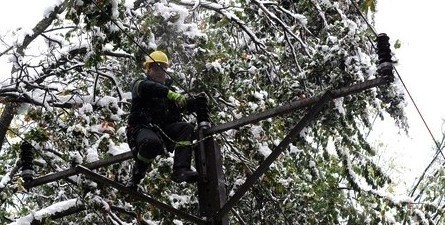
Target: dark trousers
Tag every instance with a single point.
(148, 142)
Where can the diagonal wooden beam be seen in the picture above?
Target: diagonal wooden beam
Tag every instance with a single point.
(73, 171)
(287, 108)
(264, 166)
(140, 196)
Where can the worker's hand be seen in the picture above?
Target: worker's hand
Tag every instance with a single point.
(179, 99)
(197, 100)
(202, 97)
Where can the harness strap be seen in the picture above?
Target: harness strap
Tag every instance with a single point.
(144, 159)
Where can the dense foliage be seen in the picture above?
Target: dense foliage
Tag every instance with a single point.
(248, 56)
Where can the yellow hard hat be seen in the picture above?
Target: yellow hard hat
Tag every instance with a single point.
(157, 56)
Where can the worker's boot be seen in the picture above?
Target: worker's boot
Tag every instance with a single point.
(181, 166)
(138, 173)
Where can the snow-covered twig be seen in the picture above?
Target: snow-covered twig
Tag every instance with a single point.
(229, 15)
(8, 176)
(6, 51)
(392, 200)
(320, 12)
(282, 24)
(113, 80)
(294, 54)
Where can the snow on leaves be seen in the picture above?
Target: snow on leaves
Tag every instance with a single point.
(247, 56)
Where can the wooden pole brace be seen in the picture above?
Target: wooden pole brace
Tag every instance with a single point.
(337, 93)
(264, 166)
(141, 196)
(73, 171)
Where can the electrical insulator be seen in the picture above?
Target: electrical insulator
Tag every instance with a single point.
(385, 66)
(202, 111)
(26, 156)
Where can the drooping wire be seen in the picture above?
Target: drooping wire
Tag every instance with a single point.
(398, 75)
(439, 149)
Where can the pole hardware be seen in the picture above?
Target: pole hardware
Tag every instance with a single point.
(26, 156)
(385, 67)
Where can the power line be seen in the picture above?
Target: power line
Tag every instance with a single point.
(400, 78)
(439, 149)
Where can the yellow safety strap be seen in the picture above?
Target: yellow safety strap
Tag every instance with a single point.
(183, 144)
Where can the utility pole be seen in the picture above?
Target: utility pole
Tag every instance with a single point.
(211, 185)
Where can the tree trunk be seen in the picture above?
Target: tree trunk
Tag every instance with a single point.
(5, 120)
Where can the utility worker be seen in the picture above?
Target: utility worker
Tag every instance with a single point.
(155, 122)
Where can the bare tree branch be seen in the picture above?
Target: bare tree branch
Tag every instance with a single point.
(229, 15)
(8, 113)
(6, 51)
(11, 174)
(52, 40)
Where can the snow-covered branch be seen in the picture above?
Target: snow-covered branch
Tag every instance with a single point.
(285, 27)
(111, 78)
(320, 12)
(54, 211)
(228, 14)
(41, 27)
(356, 182)
(8, 176)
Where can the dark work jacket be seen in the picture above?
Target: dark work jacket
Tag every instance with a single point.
(149, 105)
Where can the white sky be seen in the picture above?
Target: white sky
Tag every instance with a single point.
(417, 24)
(23, 13)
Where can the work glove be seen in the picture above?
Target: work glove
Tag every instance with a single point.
(179, 99)
(198, 99)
